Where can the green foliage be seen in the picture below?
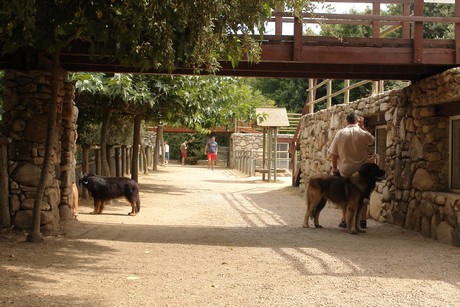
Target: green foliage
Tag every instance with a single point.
(148, 34)
(195, 146)
(288, 93)
(199, 103)
(96, 92)
(344, 30)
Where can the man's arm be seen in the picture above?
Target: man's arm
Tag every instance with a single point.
(334, 159)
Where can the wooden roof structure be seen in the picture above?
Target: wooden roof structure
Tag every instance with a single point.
(272, 117)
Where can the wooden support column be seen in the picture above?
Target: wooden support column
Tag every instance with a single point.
(275, 152)
(298, 33)
(346, 95)
(98, 161)
(118, 170)
(269, 153)
(457, 33)
(264, 151)
(85, 167)
(312, 94)
(5, 218)
(418, 33)
(376, 23)
(123, 161)
(406, 24)
(329, 93)
(278, 22)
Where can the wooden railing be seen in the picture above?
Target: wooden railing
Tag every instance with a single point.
(410, 23)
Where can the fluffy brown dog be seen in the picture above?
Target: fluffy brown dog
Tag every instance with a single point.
(108, 188)
(346, 192)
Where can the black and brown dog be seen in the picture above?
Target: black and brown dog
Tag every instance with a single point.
(347, 192)
(107, 188)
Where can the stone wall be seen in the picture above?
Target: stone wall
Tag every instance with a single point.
(415, 193)
(27, 102)
(248, 142)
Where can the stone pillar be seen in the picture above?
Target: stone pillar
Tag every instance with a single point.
(27, 100)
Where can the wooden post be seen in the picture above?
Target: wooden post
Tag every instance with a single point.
(329, 93)
(85, 167)
(136, 144)
(118, 170)
(376, 23)
(406, 24)
(278, 22)
(298, 34)
(275, 152)
(269, 154)
(311, 94)
(346, 95)
(418, 33)
(123, 161)
(110, 151)
(264, 151)
(98, 161)
(457, 32)
(5, 218)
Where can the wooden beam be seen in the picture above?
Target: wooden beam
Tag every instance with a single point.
(448, 109)
(418, 33)
(298, 40)
(457, 32)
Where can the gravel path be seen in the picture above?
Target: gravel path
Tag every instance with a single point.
(217, 238)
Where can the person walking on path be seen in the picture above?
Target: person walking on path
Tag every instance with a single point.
(183, 151)
(348, 151)
(166, 152)
(211, 150)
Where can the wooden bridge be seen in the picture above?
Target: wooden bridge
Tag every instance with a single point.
(410, 57)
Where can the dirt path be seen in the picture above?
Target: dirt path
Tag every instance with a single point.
(214, 238)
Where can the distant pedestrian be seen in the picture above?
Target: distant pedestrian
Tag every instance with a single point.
(183, 151)
(211, 150)
(166, 152)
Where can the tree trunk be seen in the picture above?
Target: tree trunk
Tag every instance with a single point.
(136, 143)
(5, 220)
(104, 136)
(35, 235)
(156, 150)
(144, 160)
(85, 167)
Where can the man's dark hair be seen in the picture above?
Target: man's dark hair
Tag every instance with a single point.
(352, 118)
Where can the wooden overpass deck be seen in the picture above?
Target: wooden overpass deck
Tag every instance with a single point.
(410, 57)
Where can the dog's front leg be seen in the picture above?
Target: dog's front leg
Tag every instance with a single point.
(358, 219)
(96, 206)
(351, 219)
(305, 220)
(133, 208)
(101, 207)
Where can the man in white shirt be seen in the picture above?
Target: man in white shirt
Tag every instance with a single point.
(348, 151)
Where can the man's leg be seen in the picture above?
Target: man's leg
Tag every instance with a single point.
(75, 199)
